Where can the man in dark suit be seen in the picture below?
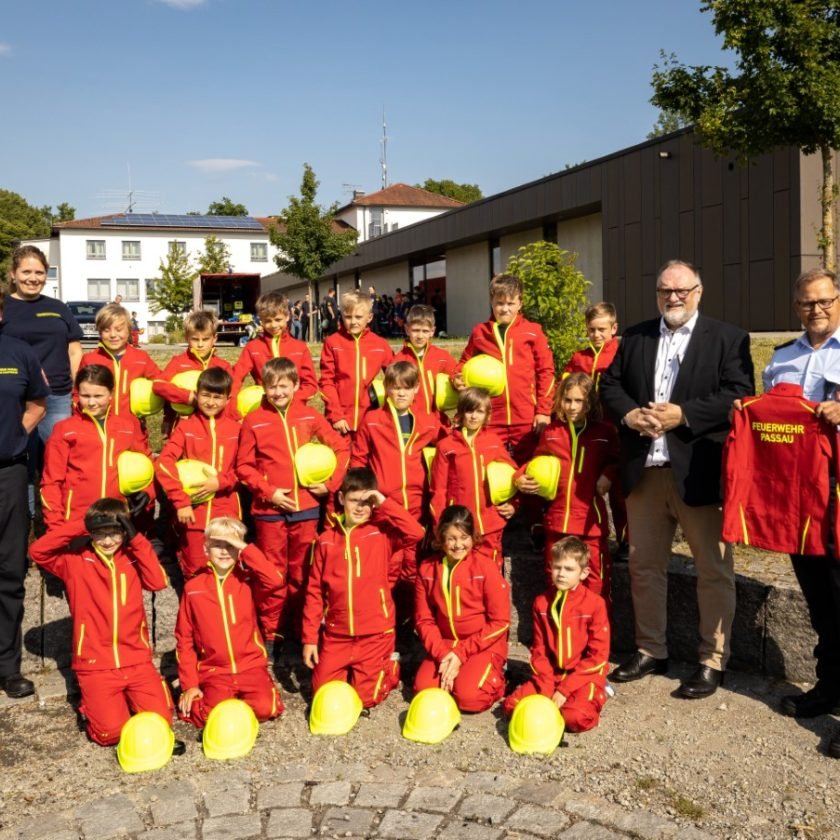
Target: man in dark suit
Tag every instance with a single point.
(671, 387)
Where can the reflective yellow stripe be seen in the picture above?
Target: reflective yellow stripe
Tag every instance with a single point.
(122, 588)
(804, 535)
(232, 611)
(744, 531)
(69, 503)
(220, 596)
(143, 638)
(358, 383)
(557, 615)
(166, 692)
(275, 345)
(568, 642)
(574, 434)
(404, 448)
(379, 681)
(81, 639)
(258, 643)
(497, 632)
(478, 475)
(458, 600)
(384, 604)
(446, 586)
(109, 564)
(485, 675)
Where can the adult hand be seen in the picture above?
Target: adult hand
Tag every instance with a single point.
(187, 698)
(310, 655)
(207, 487)
(829, 411)
(526, 484)
(449, 668)
(318, 489)
(342, 427)
(643, 421)
(185, 515)
(505, 510)
(540, 422)
(669, 415)
(281, 500)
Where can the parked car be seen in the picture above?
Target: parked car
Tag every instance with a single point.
(84, 311)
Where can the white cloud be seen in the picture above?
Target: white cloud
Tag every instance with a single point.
(5, 49)
(185, 5)
(222, 164)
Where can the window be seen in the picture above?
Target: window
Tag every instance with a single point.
(95, 249)
(155, 328)
(259, 252)
(131, 249)
(375, 226)
(178, 245)
(99, 289)
(52, 273)
(129, 289)
(150, 287)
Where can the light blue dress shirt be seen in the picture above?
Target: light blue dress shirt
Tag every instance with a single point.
(817, 371)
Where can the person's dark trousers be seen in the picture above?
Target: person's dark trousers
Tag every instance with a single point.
(819, 580)
(14, 533)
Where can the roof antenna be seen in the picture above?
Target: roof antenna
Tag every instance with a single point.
(383, 157)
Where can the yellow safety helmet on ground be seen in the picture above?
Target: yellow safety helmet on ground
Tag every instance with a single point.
(314, 463)
(230, 731)
(135, 472)
(536, 725)
(431, 717)
(146, 743)
(143, 400)
(335, 709)
(192, 474)
(545, 470)
(446, 397)
(483, 371)
(500, 482)
(248, 399)
(188, 380)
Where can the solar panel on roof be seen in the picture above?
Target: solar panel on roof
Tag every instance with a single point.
(165, 220)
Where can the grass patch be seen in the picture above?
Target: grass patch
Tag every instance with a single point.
(646, 783)
(685, 807)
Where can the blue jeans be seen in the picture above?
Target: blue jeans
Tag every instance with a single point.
(59, 406)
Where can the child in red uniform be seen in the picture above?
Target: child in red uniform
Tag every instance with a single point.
(588, 453)
(276, 342)
(570, 651)
(220, 652)
(348, 612)
(428, 359)
(459, 471)
(462, 615)
(206, 435)
(80, 460)
(350, 360)
(286, 513)
(105, 577)
(524, 406)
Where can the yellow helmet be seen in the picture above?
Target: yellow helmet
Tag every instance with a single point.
(248, 399)
(314, 463)
(146, 743)
(545, 469)
(431, 717)
(483, 371)
(536, 725)
(429, 453)
(230, 731)
(188, 380)
(144, 401)
(446, 397)
(193, 474)
(135, 472)
(500, 481)
(377, 394)
(335, 709)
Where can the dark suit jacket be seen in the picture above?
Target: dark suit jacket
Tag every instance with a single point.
(716, 369)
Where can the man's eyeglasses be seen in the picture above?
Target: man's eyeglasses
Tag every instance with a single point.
(682, 294)
(810, 305)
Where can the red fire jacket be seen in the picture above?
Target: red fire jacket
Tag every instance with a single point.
(259, 350)
(348, 366)
(592, 362)
(459, 473)
(776, 466)
(267, 444)
(468, 613)
(80, 463)
(105, 596)
(529, 368)
(216, 631)
(571, 644)
(434, 361)
(214, 440)
(133, 365)
(353, 571)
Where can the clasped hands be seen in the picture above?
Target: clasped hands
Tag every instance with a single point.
(654, 419)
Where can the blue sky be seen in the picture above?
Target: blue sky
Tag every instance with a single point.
(205, 98)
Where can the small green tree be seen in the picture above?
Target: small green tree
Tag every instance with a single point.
(216, 257)
(18, 220)
(554, 295)
(173, 288)
(452, 189)
(227, 207)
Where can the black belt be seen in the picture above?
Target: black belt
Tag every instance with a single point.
(12, 462)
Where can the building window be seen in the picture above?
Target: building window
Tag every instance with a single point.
(375, 225)
(95, 249)
(52, 273)
(259, 252)
(131, 249)
(129, 289)
(99, 289)
(177, 245)
(151, 282)
(155, 328)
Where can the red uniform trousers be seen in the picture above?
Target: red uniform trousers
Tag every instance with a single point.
(363, 661)
(600, 564)
(581, 711)
(253, 686)
(287, 545)
(112, 695)
(479, 684)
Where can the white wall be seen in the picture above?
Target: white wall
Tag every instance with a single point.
(511, 243)
(359, 216)
(467, 281)
(583, 236)
(388, 278)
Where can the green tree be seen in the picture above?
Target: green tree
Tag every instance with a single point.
(554, 295)
(226, 207)
(18, 220)
(216, 257)
(173, 288)
(785, 90)
(452, 189)
(307, 240)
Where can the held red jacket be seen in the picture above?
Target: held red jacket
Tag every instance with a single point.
(133, 365)
(470, 615)
(400, 468)
(263, 348)
(105, 595)
(459, 473)
(353, 570)
(584, 455)
(571, 644)
(80, 463)
(592, 362)
(181, 363)
(348, 365)
(267, 445)
(216, 631)
(529, 368)
(434, 361)
(776, 466)
(215, 441)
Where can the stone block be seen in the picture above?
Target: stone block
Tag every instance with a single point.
(227, 792)
(380, 795)
(177, 831)
(48, 827)
(490, 782)
(537, 820)
(439, 799)
(232, 827)
(112, 816)
(283, 795)
(538, 793)
(486, 807)
(350, 822)
(172, 803)
(748, 625)
(289, 822)
(589, 831)
(55, 686)
(467, 830)
(409, 825)
(330, 793)
(789, 639)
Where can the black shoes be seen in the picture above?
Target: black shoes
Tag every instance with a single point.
(702, 683)
(637, 666)
(811, 704)
(16, 686)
